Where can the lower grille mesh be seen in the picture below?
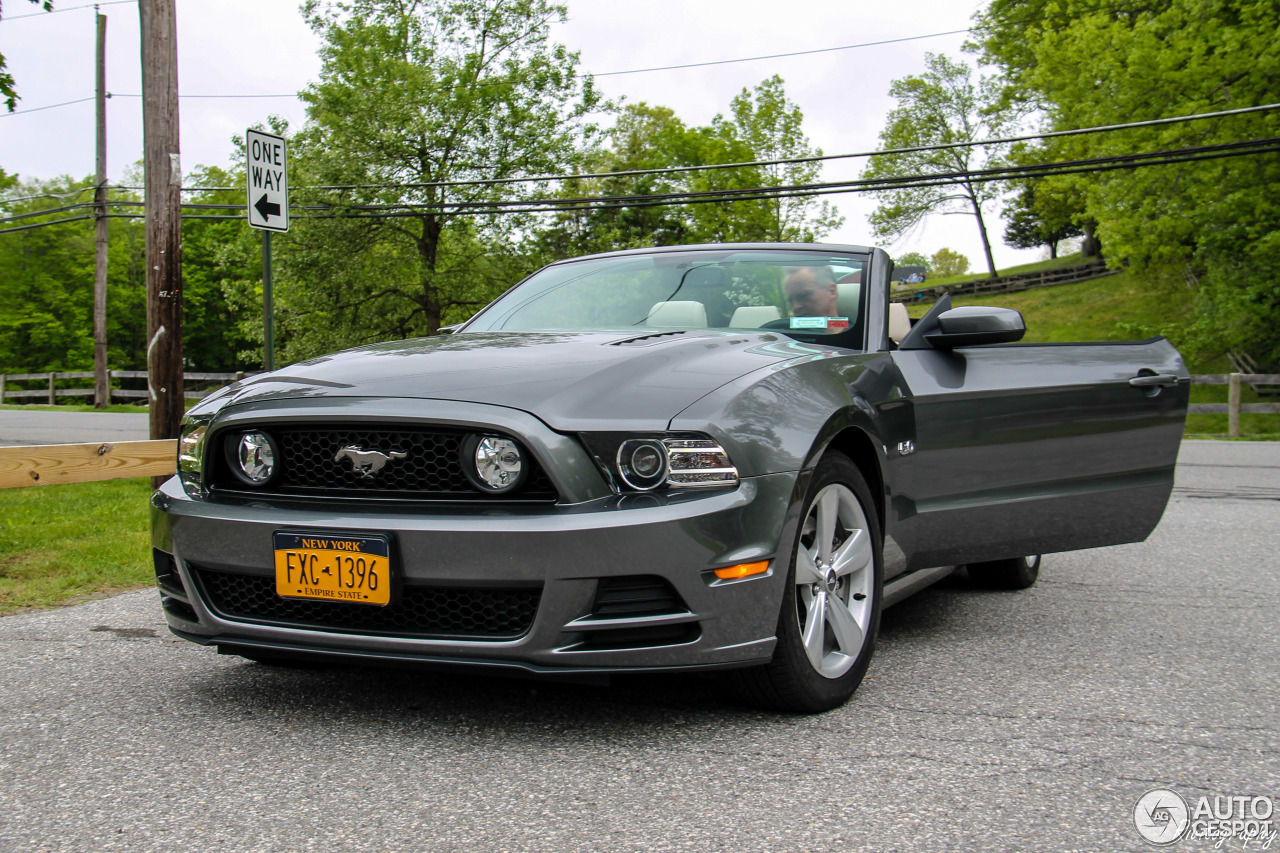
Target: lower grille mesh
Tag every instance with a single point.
(419, 611)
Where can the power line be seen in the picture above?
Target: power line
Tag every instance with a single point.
(1030, 20)
(529, 206)
(773, 55)
(1108, 128)
(50, 106)
(587, 74)
(135, 95)
(7, 18)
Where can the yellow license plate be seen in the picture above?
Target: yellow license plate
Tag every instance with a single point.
(333, 567)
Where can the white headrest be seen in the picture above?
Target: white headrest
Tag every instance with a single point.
(848, 298)
(687, 315)
(899, 322)
(753, 316)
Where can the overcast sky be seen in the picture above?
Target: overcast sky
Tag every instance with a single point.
(262, 47)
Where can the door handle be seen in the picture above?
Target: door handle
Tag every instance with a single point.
(1155, 379)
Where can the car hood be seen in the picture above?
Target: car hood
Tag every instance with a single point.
(571, 380)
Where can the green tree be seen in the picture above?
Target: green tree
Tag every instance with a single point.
(943, 105)
(215, 336)
(46, 283)
(1038, 217)
(1087, 64)
(914, 259)
(948, 262)
(7, 91)
(763, 125)
(643, 137)
(414, 94)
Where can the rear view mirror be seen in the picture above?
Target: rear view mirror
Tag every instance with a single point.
(973, 325)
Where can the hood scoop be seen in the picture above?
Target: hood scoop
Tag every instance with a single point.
(646, 340)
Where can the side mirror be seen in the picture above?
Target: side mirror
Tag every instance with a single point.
(974, 325)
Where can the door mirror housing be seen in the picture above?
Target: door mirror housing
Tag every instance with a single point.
(974, 325)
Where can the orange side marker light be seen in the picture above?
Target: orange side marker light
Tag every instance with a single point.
(742, 570)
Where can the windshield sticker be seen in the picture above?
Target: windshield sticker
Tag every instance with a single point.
(819, 322)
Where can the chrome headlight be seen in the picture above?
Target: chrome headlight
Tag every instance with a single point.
(681, 461)
(253, 457)
(191, 446)
(494, 464)
(699, 462)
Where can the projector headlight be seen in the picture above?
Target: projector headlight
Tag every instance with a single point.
(643, 464)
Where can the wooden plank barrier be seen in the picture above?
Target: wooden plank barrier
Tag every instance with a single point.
(50, 464)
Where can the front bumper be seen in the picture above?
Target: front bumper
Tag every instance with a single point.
(569, 553)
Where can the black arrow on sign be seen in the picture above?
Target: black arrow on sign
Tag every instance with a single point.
(266, 208)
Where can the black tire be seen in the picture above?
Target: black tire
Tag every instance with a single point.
(1015, 573)
(792, 681)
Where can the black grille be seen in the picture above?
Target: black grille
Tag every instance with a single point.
(430, 468)
(419, 611)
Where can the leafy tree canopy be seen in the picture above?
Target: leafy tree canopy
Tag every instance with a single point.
(412, 94)
(1087, 64)
(943, 105)
(1039, 216)
(948, 262)
(914, 259)
(762, 125)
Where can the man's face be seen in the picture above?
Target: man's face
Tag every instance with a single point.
(810, 298)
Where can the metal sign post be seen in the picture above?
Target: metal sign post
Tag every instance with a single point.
(268, 208)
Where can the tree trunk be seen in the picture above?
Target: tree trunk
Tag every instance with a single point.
(429, 250)
(1091, 246)
(986, 243)
(1053, 249)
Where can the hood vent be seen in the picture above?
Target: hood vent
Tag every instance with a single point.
(644, 340)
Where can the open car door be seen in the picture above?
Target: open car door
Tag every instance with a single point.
(1026, 449)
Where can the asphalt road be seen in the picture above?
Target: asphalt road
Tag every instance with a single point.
(1000, 721)
(46, 427)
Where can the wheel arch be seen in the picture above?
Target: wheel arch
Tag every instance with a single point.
(865, 454)
(854, 434)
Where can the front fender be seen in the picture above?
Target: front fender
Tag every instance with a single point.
(783, 418)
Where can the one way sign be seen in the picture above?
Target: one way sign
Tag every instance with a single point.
(268, 181)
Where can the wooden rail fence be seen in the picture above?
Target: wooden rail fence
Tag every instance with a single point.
(1233, 407)
(1006, 283)
(48, 464)
(50, 392)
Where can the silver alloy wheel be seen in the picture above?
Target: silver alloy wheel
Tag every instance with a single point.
(834, 580)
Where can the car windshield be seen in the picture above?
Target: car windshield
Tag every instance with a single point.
(802, 294)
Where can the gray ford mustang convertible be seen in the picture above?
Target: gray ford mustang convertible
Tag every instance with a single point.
(697, 457)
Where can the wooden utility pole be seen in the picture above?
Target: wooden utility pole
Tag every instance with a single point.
(164, 228)
(101, 389)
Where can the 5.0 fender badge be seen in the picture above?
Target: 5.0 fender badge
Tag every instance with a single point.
(366, 463)
(906, 448)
